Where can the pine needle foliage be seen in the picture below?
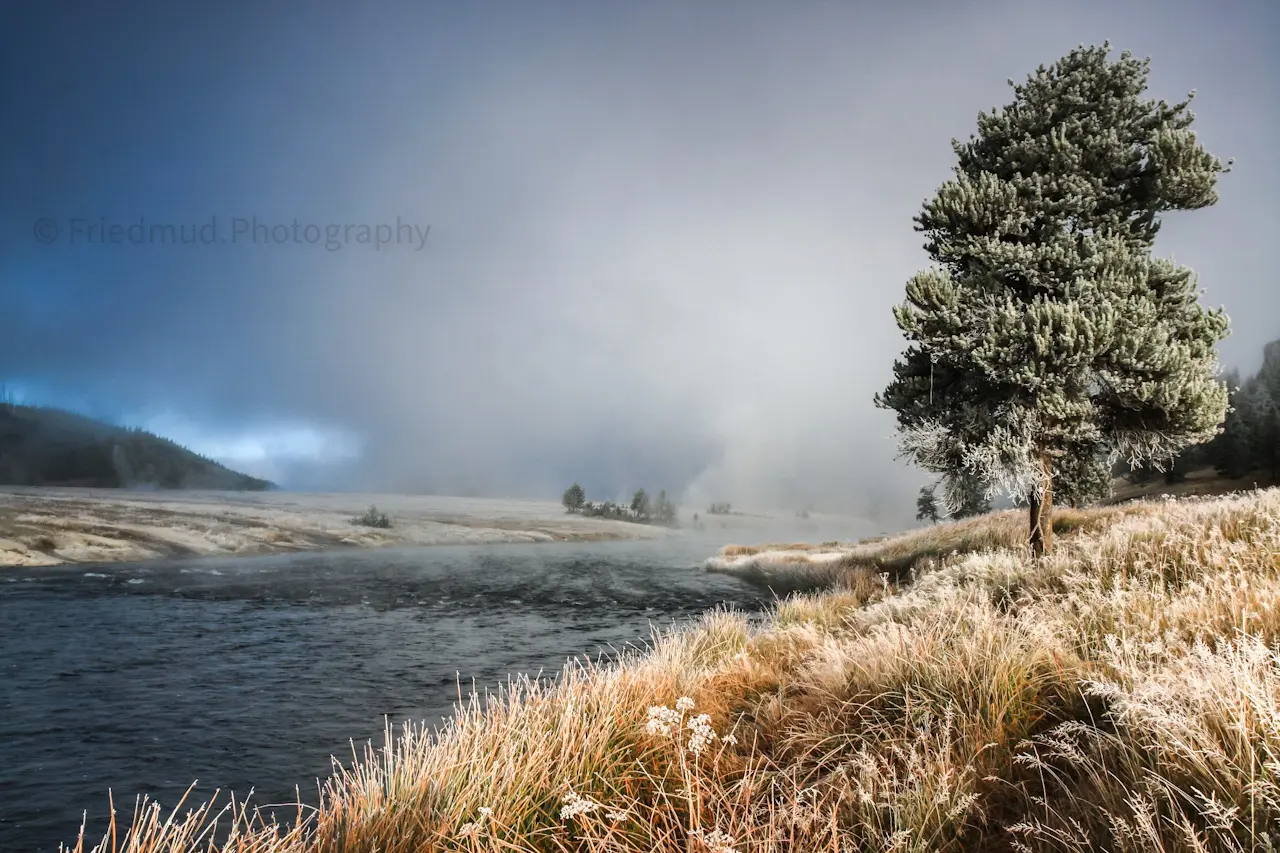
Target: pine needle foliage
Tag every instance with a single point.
(1046, 330)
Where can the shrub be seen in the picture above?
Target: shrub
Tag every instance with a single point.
(372, 518)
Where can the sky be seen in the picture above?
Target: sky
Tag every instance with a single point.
(493, 248)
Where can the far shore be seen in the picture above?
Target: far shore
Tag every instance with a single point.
(57, 526)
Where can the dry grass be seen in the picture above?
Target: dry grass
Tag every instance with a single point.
(1121, 695)
(748, 550)
(799, 568)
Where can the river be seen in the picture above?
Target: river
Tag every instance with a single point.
(251, 672)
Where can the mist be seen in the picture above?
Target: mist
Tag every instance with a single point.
(665, 240)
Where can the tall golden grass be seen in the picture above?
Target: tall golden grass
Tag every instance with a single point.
(1122, 694)
(796, 567)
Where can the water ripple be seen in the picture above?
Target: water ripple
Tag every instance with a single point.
(251, 673)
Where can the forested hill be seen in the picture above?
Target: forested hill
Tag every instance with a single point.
(50, 447)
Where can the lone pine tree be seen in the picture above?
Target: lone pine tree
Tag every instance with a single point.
(1046, 330)
(574, 498)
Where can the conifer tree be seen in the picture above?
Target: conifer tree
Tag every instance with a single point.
(927, 505)
(1046, 328)
(1229, 452)
(574, 498)
(1269, 373)
(664, 509)
(1266, 432)
(1268, 429)
(640, 504)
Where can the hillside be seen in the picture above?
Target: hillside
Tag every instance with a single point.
(1201, 482)
(50, 447)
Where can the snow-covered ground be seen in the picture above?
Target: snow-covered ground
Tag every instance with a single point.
(43, 527)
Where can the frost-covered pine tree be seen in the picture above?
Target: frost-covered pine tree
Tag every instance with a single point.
(1080, 479)
(1046, 327)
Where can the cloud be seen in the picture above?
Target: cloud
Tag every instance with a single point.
(665, 240)
(263, 450)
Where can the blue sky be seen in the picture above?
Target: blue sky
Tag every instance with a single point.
(665, 237)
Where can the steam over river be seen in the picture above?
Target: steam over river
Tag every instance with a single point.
(250, 673)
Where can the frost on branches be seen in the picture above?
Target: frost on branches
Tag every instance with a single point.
(1046, 341)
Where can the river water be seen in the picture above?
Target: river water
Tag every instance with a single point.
(251, 672)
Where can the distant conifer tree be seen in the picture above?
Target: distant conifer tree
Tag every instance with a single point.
(927, 505)
(574, 498)
(640, 504)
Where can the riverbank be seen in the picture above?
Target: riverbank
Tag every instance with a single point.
(946, 693)
(49, 527)
(806, 567)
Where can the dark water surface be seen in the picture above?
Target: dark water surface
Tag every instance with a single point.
(251, 673)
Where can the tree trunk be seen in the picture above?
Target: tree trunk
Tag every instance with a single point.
(1042, 511)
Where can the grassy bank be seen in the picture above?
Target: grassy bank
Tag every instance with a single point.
(947, 693)
(800, 567)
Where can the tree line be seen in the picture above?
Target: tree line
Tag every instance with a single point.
(642, 509)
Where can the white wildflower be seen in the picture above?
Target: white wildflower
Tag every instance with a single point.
(662, 720)
(469, 829)
(576, 804)
(684, 703)
(700, 733)
(716, 841)
(485, 811)
(616, 815)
